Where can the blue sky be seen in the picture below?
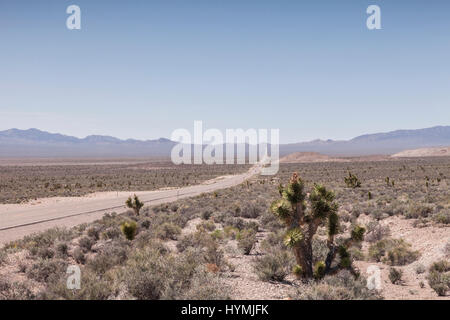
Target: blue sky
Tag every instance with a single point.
(140, 69)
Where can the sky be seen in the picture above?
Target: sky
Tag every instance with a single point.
(141, 69)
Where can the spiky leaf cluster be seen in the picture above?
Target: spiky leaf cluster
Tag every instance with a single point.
(293, 237)
(294, 192)
(322, 202)
(281, 208)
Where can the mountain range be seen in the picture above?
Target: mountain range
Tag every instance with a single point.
(36, 143)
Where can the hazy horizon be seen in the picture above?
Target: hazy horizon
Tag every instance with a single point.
(143, 69)
(156, 138)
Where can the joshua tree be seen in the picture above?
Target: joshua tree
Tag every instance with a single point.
(302, 216)
(352, 181)
(135, 204)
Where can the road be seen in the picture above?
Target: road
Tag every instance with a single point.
(23, 220)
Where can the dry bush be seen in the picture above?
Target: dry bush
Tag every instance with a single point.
(274, 265)
(342, 286)
(395, 252)
(439, 277)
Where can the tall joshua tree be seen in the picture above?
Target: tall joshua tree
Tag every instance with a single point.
(303, 215)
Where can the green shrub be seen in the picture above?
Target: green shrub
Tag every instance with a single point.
(246, 240)
(395, 275)
(319, 269)
(129, 229)
(439, 277)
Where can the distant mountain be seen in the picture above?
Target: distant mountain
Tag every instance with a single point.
(377, 143)
(37, 143)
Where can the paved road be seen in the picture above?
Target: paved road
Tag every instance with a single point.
(19, 222)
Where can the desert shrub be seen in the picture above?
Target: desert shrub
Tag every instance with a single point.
(395, 275)
(439, 277)
(356, 254)
(93, 287)
(418, 210)
(199, 239)
(273, 240)
(206, 226)
(217, 235)
(167, 231)
(442, 217)
(206, 214)
(342, 286)
(320, 250)
(396, 252)
(79, 256)
(46, 270)
(234, 222)
(270, 222)
(420, 268)
(48, 237)
(93, 232)
(250, 211)
(110, 233)
(62, 249)
(447, 249)
(206, 286)
(15, 291)
(145, 274)
(440, 266)
(3, 256)
(246, 240)
(274, 265)
(230, 232)
(129, 229)
(86, 243)
(376, 232)
(111, 255)
(145, 224)
(150, 275)
(45, 253)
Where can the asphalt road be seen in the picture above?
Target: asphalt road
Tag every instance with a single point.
(19, 222)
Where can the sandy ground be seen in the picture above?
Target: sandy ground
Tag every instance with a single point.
(311, 157)
(424, 152)
(430, 241)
